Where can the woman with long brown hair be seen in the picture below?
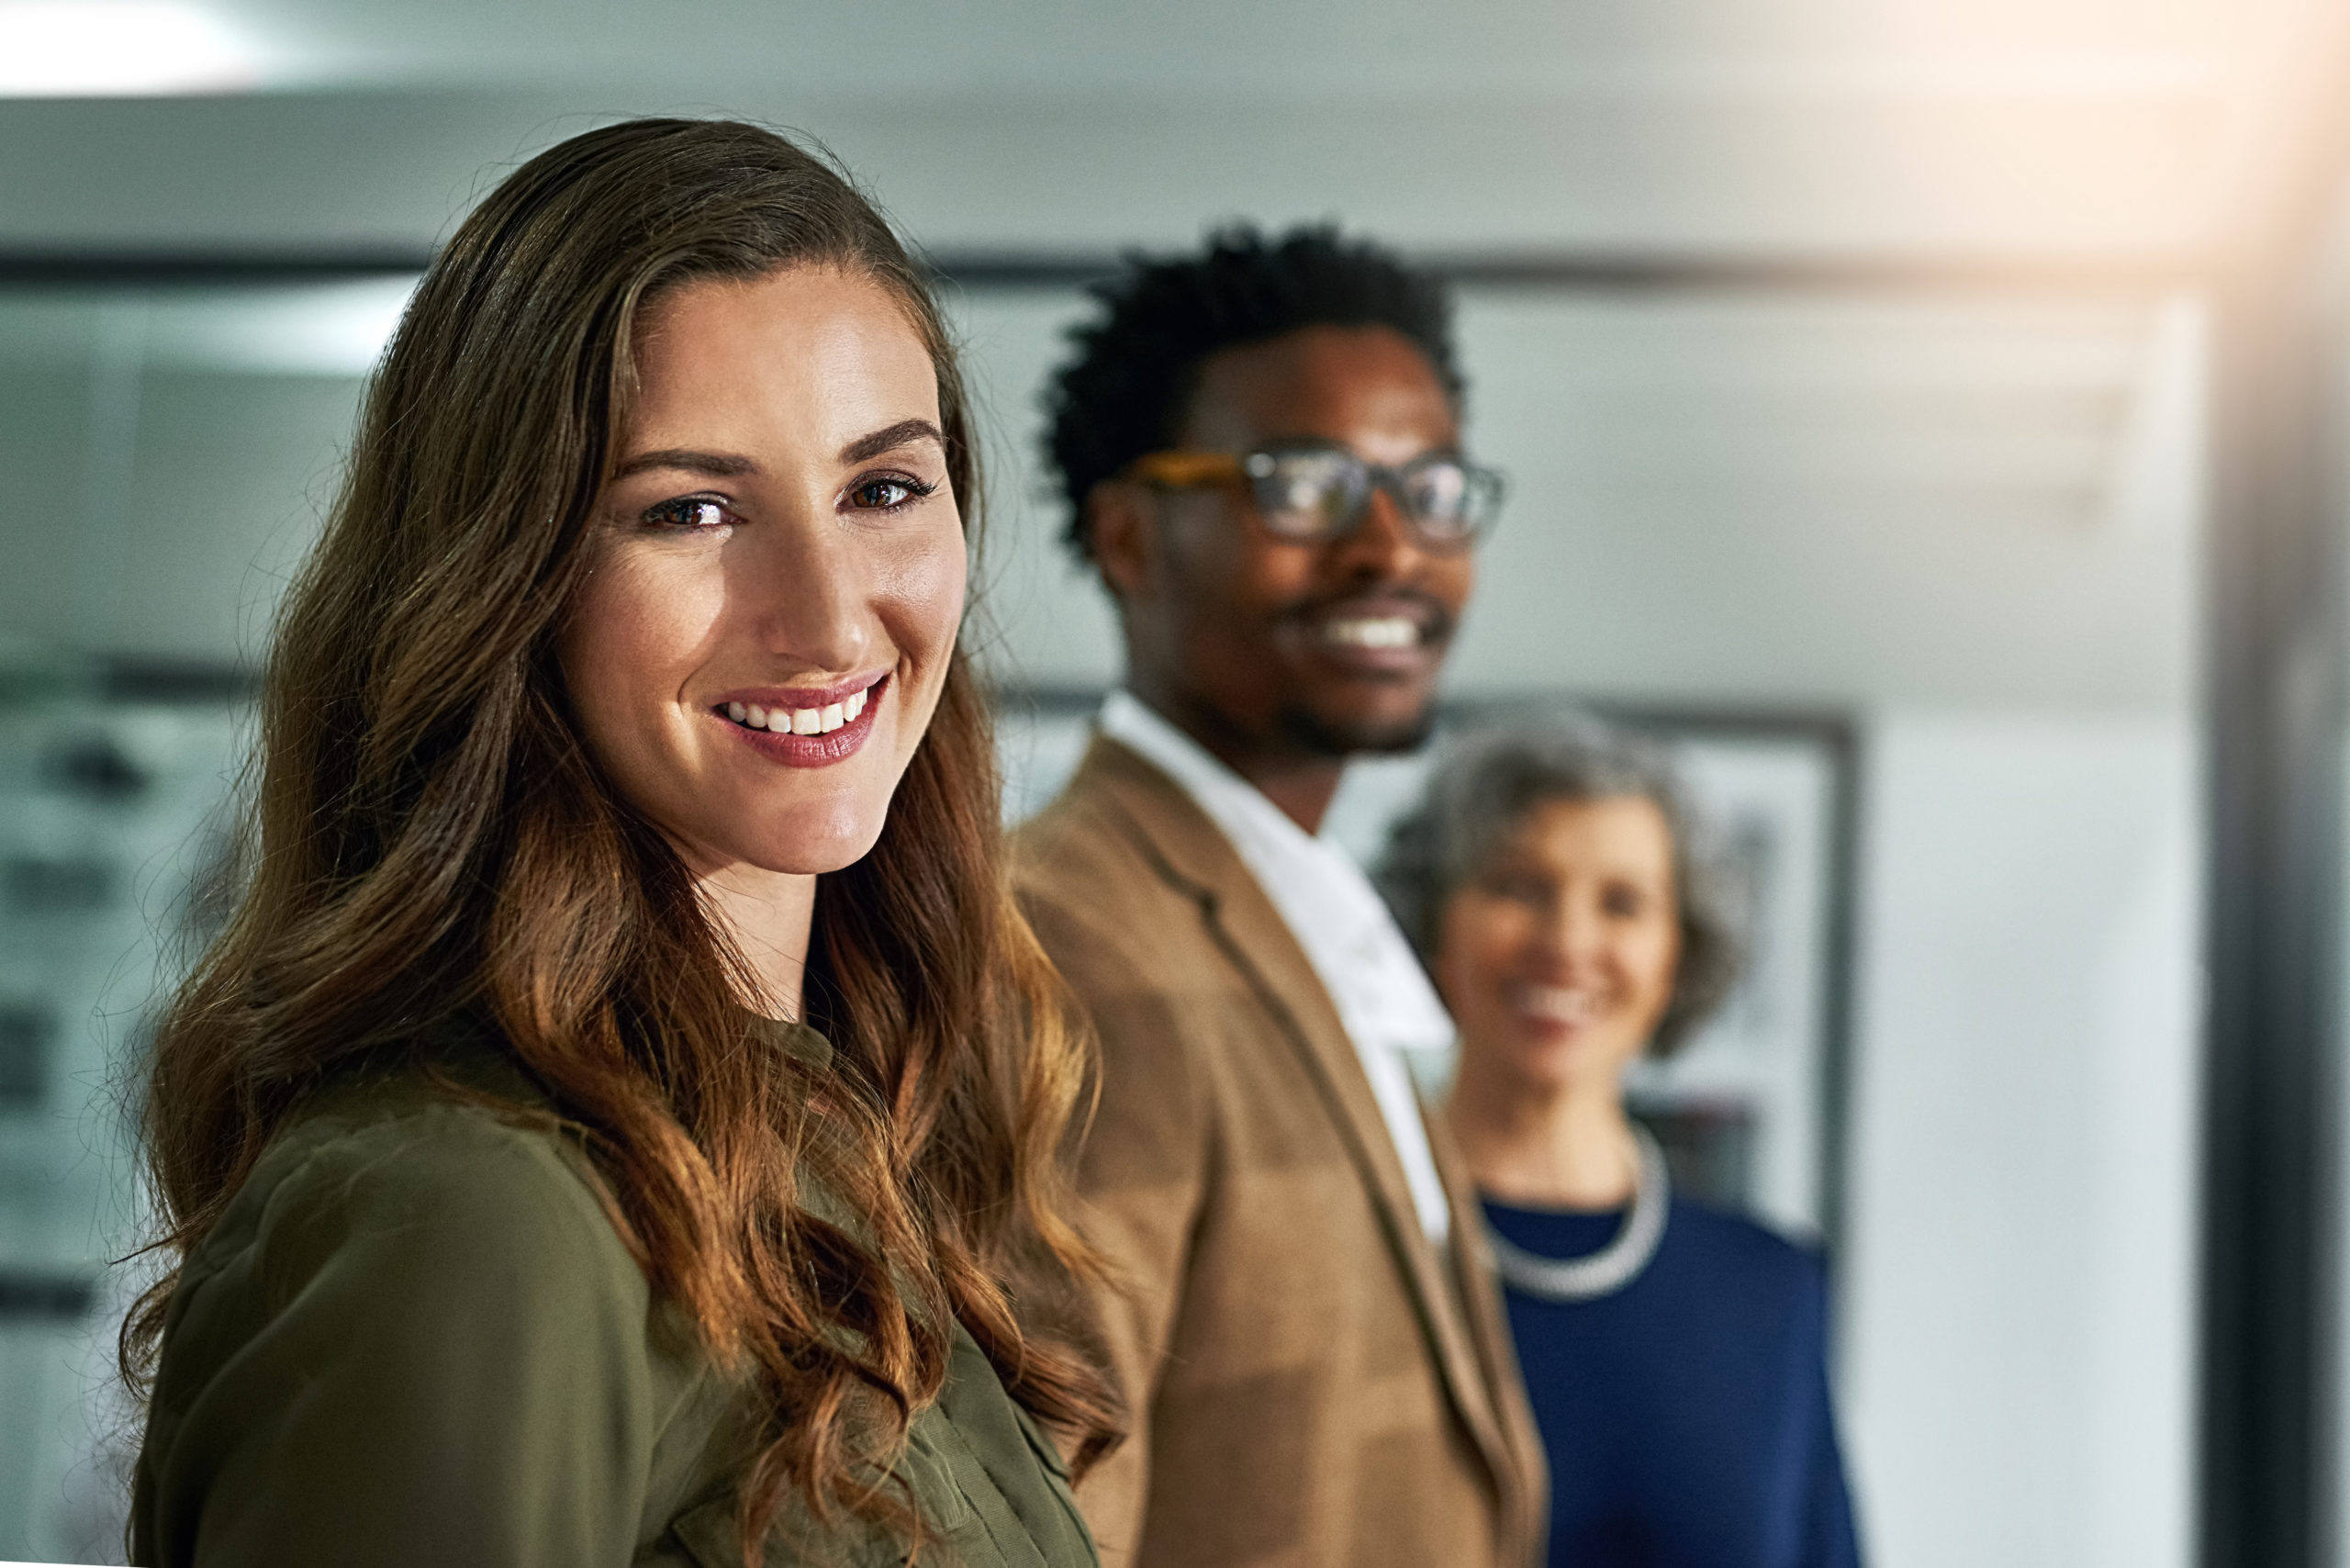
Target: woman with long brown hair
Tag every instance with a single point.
(618, 1122)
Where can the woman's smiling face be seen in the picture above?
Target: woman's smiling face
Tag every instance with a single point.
(777, 572)
(1558, 957)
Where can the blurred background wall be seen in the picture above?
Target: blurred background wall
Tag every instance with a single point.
(1848, 357)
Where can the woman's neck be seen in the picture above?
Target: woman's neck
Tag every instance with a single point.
(1570, 1148)
(769, 914)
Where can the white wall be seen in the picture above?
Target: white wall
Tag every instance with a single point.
(2018, 1285)
(1778, 499)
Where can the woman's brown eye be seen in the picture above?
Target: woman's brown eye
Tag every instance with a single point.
(880, 495)
(688, 512)
(887, 494)
(1517, 888)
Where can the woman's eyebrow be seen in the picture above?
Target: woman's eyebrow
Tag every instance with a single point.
(719, 463)
(727, 465)
(904, 433)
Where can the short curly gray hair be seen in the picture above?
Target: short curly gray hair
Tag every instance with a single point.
(1494, 777)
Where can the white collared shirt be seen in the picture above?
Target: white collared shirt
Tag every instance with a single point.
(1382, 995)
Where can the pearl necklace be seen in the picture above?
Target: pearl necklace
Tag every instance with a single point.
(1611, 1267)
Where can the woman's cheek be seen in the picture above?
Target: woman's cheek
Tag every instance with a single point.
(925, 578)
(642, 622)
(1473, 954)
(602, 649)
(1664, 962)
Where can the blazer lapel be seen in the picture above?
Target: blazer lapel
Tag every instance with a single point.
(1488, 1323)
(1192, 853)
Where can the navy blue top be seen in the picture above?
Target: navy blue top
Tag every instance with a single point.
(1686, 1415)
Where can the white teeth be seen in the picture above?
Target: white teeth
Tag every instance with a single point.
(1560, 1003)
(800, 721)
(1380, 632)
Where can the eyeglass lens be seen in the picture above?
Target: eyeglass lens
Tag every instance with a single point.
(1319, 494)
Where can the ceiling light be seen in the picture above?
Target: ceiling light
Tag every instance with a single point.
(91, 48)
(332, 328)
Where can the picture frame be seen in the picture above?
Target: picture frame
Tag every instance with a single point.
(1752, 1111)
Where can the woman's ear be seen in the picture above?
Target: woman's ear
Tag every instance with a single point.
(1121, 528)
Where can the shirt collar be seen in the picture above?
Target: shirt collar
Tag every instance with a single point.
(1328, 903)
(1234, 804)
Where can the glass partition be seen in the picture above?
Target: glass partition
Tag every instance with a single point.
(1964, 528)
(165, 455)
(1911, 577)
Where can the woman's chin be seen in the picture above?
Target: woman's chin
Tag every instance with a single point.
(790, 850)
(817, 858)
(1553, 1058)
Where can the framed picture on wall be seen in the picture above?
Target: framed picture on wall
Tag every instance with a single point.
(1751, 1111)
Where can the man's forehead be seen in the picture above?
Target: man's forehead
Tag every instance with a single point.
(1367, 388)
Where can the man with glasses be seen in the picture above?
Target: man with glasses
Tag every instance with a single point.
(1262, 450)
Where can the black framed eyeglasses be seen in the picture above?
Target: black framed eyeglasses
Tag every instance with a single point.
(1311, 494)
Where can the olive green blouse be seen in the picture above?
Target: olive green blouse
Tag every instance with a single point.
(414, 1337)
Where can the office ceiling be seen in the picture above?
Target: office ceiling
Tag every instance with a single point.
(1318, 47)
(2052, 128)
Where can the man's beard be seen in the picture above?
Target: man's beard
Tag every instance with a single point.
(1339, 739)
(1322, 737)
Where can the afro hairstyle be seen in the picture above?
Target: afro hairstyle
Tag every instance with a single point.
(1127, 387)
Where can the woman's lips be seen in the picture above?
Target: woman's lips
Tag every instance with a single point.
(1555, 1013)
(812, 729)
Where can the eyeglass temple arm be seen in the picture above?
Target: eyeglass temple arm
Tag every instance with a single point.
(1185, 467)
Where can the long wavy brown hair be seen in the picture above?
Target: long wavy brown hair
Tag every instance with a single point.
(429, 844)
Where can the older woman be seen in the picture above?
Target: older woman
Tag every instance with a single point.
(1675, 1354)
(618, 1124)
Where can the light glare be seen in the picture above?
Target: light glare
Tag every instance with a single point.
(77, 48)
(336, 329)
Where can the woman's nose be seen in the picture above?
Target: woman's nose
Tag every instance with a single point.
(1572, 931)
(814, 598)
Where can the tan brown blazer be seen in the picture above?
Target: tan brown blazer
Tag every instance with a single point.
(1313, 1384)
